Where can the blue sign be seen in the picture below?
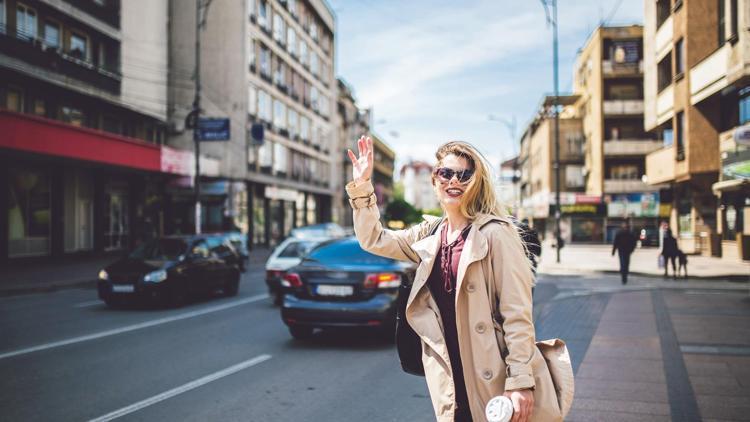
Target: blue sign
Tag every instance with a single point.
(212, 129)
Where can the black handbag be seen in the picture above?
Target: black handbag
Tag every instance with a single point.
(408, 343)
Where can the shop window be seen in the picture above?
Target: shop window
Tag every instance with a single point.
(116, 220)
(25, 22)
(684, 219)
(29, 212)
(300, 209)
(40, 107)
(52, 34)
(259, 219)
(744, 105)
(664, 72)
(14, 99)
(312, 208)
(73, 116)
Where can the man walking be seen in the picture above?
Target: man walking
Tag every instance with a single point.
(624, 244)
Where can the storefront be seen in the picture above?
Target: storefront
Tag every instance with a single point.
(733, 193)
(639, 210)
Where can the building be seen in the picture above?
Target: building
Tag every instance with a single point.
(416, 177)
(696, 102)
(262, 62)
(608, 77)
(580, 213)
(508, 185)
(83, 112)
(352, 122)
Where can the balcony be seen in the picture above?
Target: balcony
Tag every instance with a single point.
(108, 11)
(630, 147)
(612, 69)
(34, 52)
(664, 34)
(625, 186)
(665, 104)
(710, 75)
(660, 165)
(622, 107)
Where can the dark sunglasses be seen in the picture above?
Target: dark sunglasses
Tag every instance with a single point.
(446, 174)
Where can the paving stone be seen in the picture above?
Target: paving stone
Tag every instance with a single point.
(722, 386)
(623, 372)
(715, 368)
(722, 407)
(617, 390)
(624, 404)
(628, 329)
(577, 415)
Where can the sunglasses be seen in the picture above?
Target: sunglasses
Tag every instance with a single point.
(446, 174)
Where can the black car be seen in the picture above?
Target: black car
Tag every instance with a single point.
(224, 247)
(239, 243)
(171, 269)
(340, 285)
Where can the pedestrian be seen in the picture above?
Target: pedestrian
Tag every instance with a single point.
(449, 307)
(670, 251)
(624, 245)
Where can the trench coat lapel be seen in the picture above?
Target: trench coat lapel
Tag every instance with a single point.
(427, 249)
(475, 249)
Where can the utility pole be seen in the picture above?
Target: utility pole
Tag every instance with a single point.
(552, 20)
(200, 22)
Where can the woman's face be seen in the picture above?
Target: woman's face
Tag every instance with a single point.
(450, 193)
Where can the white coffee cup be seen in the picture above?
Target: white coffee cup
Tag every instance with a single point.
(499, 409)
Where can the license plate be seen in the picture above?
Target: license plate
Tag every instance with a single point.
(123, 288)
(326, 290)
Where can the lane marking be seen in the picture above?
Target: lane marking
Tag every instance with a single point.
(182, 389)
(89, 303)
(134, 327)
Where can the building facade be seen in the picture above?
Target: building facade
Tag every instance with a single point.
(262, 62)
(416, 177)
(83, 112)
(352, 122)
(608, 77)
(579, 212)
(696, 102)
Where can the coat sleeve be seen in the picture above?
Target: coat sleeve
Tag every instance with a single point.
(372, 236)
(513, 280)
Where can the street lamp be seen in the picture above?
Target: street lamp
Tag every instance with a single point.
(552, 20)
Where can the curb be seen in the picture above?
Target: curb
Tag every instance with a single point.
(46, 288)
(736, 278)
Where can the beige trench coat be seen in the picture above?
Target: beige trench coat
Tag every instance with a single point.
(493, 253)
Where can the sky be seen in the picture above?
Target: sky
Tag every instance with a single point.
(435, 70)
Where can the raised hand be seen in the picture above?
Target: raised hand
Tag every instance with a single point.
(362, 165)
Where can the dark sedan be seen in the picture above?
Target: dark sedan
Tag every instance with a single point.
(340, 285)
(172, 269)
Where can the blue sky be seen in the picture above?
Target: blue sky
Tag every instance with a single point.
(434, 70)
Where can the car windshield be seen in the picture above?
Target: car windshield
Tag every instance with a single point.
(160, 250)
(346, 252)
(296, 249)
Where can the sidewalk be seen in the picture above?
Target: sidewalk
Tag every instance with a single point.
(71, 273)
(577, 259)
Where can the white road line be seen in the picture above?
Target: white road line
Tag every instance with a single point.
(182, 389)
(87, 304)
(134, 327)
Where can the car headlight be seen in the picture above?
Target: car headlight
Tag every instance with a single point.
(103, 275)
(155, 276)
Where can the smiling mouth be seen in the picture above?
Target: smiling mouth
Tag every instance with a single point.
(454, 193)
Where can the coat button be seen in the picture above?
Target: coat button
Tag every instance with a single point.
(487, 374)
(480, 327)
(470, 287)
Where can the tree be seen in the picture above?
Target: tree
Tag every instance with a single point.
(400, 210)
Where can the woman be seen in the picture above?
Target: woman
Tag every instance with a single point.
(469, 356)
(669, 251)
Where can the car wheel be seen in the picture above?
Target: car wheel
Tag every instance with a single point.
(301, 333)
(232, 286)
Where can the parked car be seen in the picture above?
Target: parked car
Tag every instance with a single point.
(288, 254)
(238, 242)
(338, 284)
(325, 230)
(171, 269)
(649, 236)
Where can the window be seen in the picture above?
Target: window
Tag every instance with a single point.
(624, 92)
(14, 99)
(279, 114)
(662, 11)
(279, 158)
(734, 34)
(667, 136)
(40, 107)
(279, 76)
(324, 72)
(73, 116)
(314, 64)
(291, 41)
(111, 124)
(25, 22)
(744, 105)
(265, 156)
(293, 122)
(314, 30)
(2, 17)
(721, 22)
(664, 72)
(680, 125)
(79, 46)
(292, 5)
(29, 202)
(303, 52)
(279, 29)
(52, 34)
(265, 61)
(252, 100)
(679, 57)
(314, 98)
(264, 106)
(304, 128)
(251, 55)
(263, 20)
(624, 172)
(250, 4)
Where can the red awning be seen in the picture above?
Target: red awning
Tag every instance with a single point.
(34, 134)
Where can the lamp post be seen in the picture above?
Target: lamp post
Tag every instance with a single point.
(201, 8)
(552, 20)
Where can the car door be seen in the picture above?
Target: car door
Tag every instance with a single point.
(199, 270)
(220, 257)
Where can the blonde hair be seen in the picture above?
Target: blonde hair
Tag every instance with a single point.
(480, 195)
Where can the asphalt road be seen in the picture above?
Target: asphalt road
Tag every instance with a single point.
(65, 356)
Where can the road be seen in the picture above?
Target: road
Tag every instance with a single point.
(64, 356)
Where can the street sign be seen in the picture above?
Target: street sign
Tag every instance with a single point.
(213, 129)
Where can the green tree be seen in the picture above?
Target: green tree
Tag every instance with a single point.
(400, 210)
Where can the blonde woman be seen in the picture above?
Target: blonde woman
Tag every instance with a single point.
(469, 356)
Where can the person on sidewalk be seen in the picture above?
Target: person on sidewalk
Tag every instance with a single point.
(670, 251)
(624, 245)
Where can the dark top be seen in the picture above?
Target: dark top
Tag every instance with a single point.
(442, 285)
(669, 247)
(624, 243)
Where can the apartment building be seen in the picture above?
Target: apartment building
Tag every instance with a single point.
(83, 111)
(580, 212)
(416, 176)
(608, 77)
(269, 62)
(695, 83)
(352, 122)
